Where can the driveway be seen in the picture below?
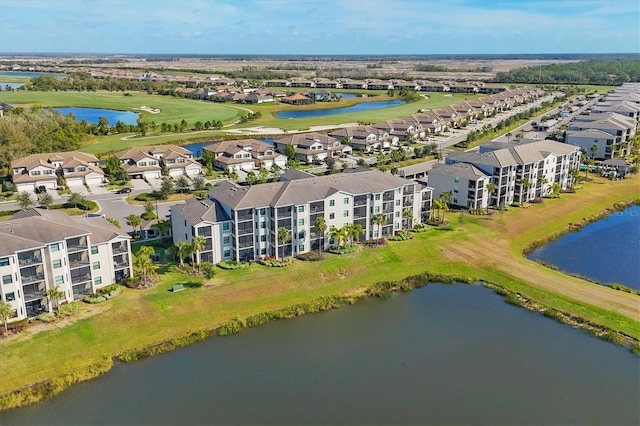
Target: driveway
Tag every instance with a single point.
(99, 189)
(140, 184)
(80, 189)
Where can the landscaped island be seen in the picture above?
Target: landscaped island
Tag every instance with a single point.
(476, 248)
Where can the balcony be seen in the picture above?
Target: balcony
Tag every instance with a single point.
(76, 244)
(31, 260)
(81, 279)
(120, 248)
(76, 261)
(31, 278)
(120, 265)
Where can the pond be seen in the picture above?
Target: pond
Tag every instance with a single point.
(455, 354)
(92, 115)
(606, 251)
(365, 106)
(12, 85)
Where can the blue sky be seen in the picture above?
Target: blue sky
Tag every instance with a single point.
(320, 27)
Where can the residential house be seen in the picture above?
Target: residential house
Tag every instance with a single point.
(432, 86)
(296, 99)
(255, 98)
(402, 129)
(277, 83)
(431, 123)
(321, 95)
(77, 168)
(347, 83)
(242, 223)
(148, 162)
(245, 154)
(363, 138)
(377, 84)
(312, 147)
(325, 83)
(45, 249)
(301, 82)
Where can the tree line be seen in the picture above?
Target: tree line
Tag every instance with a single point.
(599, 71)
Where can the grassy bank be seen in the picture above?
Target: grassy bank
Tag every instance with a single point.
(486, 248)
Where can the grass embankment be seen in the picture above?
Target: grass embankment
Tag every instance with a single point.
(488, 248)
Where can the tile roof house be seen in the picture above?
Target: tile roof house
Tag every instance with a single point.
(363, 138)
(245, 154)
(149, 161)
(77, 168)
(296, 99)
(310, 147)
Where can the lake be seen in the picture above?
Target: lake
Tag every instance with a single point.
(92, 115)
(20, 74)
(196, 148)
(454, 354)
(365, 106)
(12, 85)
(606, 251)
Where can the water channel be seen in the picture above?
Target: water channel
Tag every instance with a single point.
(453, 354)
(607, 250)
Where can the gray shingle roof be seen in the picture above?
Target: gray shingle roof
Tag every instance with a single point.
(463, 170)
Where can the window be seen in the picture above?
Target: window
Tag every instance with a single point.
(300, 235)
(263, 211)
(456, 180)
(10, 296)
(346, 200)
(455, 201)
(377, 209)
(97, 280)
(57, 264)
(300, 209)
(4, 261)
(263, 251)
(397, 226)
(332, 215)
(7, 279)
(263, 225)
(153, 163)
(301, 248)
(300, 222)
(96, 265)
(455, 190)
(397, 214)
(397, 202)
(55, 247)
(94, 249)
(332, 203)
(225, 226)
(35, 173)
(345, 213)
(142, 164)
(263, 238)
(226, 240)
(48, 172)
(377, 197)
(59, 280)
(227, 253)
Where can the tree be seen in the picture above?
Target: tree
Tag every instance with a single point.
(331, 164)
(45, 200)
(166, 188)
(76, 199)
(525, 184)
(556, 189)
(134, 220)
(378, 219)
(594, 150)
(198, 125)
(320, 227)
(199, 184)
(574, 173)
(5, 314)
(24, 200)
(163, 226)
(252, 179)
(437, 206)
(336, 235)
(55, 294)
(263, 175)
(290, 152)
(233, 175)
(284, 235)
(356, 231)
(103, 125)
(491, 188)
(149, 211)
(182, 248)
(183, 125)
(446, 197)
(198, 244)
(275, 171)
(209, 271)
(182, 184)
(143, 263)
(407, 215)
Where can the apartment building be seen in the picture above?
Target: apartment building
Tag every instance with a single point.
(522, 170)
(242, 222)
(44, 249)
(466, 182)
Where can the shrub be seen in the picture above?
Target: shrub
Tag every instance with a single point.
(68, 309)
(192, 284)
(148, 216)
(232, 264)
(145, 196)
(312, 256)
(94, 299)
(343, 250)
(46, 317)
(132, 282)
(401, 236)
(380, 242)
(200, 194)
(272, 262)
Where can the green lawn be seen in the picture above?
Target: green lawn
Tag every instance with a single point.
(172, 110)
(487, 248)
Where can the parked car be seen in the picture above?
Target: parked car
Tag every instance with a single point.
(41, 189)
(123, 190)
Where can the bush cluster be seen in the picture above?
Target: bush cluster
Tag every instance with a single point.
(401, 236)
(311, 256)
(232, 264)
(272, 262)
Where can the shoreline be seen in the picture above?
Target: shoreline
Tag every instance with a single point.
(545, 301)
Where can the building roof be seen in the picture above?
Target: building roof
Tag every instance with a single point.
(197, 210)
(463, 170)
(516, 152)
(37, 227)
(588, 133)
(302, 191)
(34, 160)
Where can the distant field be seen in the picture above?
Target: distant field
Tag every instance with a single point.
(173, 110)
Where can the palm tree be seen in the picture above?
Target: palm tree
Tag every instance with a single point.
(181, 250)
(437, 205)
(45, 200)
(356, 231)
(275, 171)
(594, 150)
(574, 172)
(55, 294)
(407, 215)
(24, 200)
(198, 244)
(491, 187)
(378, 219)
(334, 234)
(347, 233)
(284, 235)
(525, 184)
(5, 313)
(446, 199)
(134, 220)
(164, 226)
(320, 227)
